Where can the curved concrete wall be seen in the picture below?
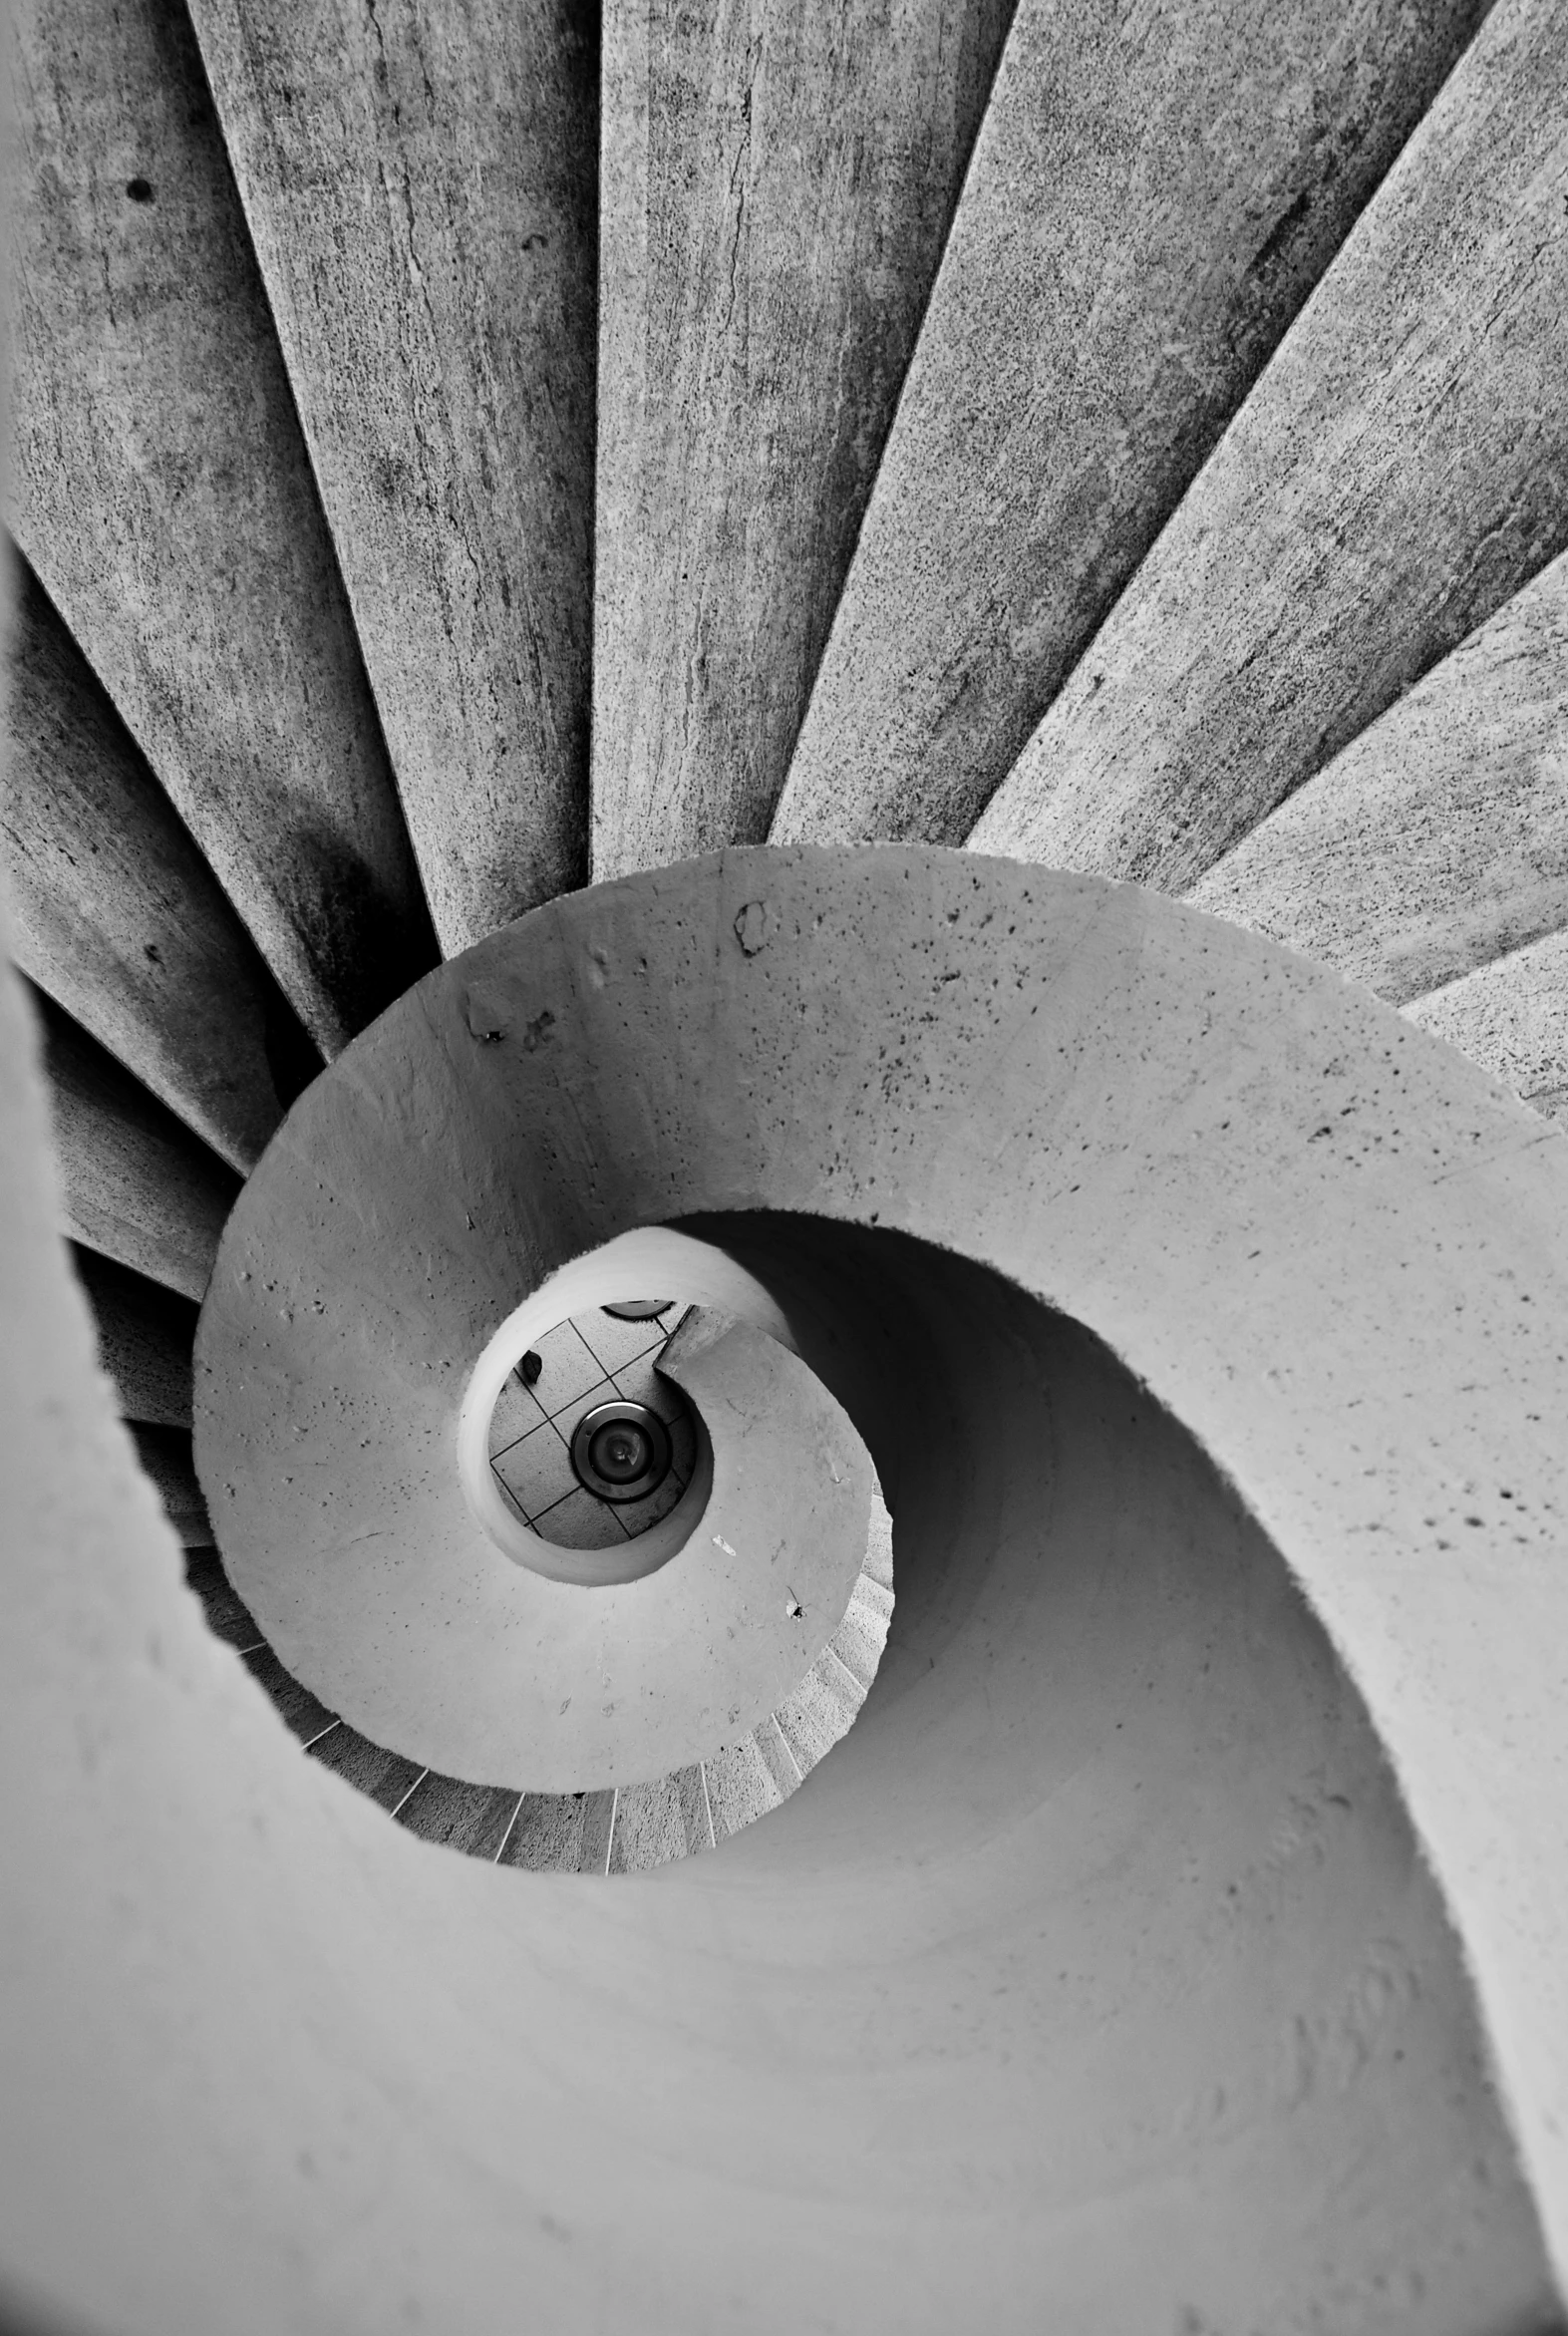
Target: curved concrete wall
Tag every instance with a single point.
(1095, 1977)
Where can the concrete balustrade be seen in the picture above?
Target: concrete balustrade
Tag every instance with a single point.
(1178, 1929)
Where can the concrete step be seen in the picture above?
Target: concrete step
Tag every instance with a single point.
(777, 185)
(421, 187)
(1398, 473)
(162, 494)
(1143, 219)
(145, 1338)
(116, 914)
(134, 1183)
(1437, 841)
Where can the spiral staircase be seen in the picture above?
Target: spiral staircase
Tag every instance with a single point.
(509, 507)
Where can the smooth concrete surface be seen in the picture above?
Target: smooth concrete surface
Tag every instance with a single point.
(160, 486)
(330, 1409)
(1399, 470)
(776, 184)
(1437, 841)
(1511, 1017)
(134, 1183)
(422, 184)
(1154, 194)
(117, 914)
(1097, 1980)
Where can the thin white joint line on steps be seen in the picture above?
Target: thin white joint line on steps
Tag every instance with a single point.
(413, 1789)
(506, 1835)
(799, 1772)
(320, 1732)
(860, 1692)
(615, 1809)
(252, 1650)
(702, 1770)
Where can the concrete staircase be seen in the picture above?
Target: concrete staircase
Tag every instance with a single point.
(464, 453)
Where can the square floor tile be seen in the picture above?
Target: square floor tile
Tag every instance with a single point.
(537, 1471)
(581, 1522)
(604, 1392)
(514, 1414)
(637, 1515)
(570, 1367)
(616, 1343)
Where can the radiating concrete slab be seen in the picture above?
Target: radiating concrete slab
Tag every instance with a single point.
(134, 1182)
(1154, 192)
(1511, 1017)
(1399, 470)
(161, 489)
(1438, 839)
(116, 914)
(777, 182)
(422, 184)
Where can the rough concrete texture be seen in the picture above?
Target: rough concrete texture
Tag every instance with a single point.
(1398, 472)
(162, 494)
(327, 1444)
(1437, 841)
(145, 1337)
(117, 914)
(778, 180)
(1097, 1980)
(165, 1455)
(134, 1183)
(1154, 194)
(422, 183)
(1511, 1017)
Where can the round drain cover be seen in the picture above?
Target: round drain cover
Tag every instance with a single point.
(621, 1451)
(639, 1309)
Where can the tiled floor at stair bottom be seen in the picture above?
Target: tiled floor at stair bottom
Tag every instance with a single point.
(595, 1358)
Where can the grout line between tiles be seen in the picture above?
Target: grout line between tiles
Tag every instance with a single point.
(615, 1811)
(317, 1737)
(713, 1839)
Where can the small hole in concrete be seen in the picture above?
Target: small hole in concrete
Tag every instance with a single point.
(139, 189)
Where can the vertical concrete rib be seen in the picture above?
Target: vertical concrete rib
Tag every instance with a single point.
(164, 496)
(118, 915)
(134, 1184)
(1154, 194)
(1399, 470)
(777, 184)
(421, 182)
(1437, 840)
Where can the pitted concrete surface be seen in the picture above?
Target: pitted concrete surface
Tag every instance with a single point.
(161, 489)
(770, 222)
(1397, 475)
(1437, 841)
(421, 186)
(118, 917)
(1154, 194)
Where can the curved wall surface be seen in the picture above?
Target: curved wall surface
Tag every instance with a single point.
(1200, 1318)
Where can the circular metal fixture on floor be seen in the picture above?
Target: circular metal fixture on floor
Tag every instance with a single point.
(621, 1451)
(639, 1309)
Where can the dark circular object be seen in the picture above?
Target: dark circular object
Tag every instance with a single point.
(139, 190)
(621, 1451)
(639, 1309)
